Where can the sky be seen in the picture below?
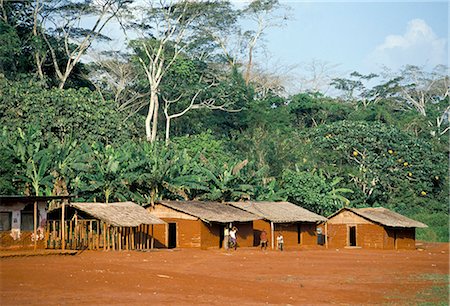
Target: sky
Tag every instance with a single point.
(362, 36)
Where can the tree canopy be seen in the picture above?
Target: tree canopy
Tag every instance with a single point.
(182, 114)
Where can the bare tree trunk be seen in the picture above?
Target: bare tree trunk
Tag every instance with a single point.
(167, 129)
(39, 62)
(148, 120)
(249, 65)
(155, 119)
(37, 56)
(64, 79)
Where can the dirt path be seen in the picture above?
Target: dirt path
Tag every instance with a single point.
(247, 276)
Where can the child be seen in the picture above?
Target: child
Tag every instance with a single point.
(233, 239)
(263, 239)
(280, 241)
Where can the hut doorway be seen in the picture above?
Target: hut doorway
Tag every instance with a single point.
(299, 233)
(172, 243)
(395, 239)
(352, 235)
(221, 235)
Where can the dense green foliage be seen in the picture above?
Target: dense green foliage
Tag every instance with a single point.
(370, 147)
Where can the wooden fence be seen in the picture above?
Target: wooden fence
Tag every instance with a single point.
(97, 235)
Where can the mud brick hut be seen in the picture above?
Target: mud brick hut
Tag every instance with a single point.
(298, 225)
(101, 226)
(375, 228)
(194, 224)
(23, 219)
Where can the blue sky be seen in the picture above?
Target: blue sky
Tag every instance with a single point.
(362, 35)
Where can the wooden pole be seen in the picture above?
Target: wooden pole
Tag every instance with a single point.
(141, 237)
(90, 237)
(120, 238)
(153, 240)
(104, 236)
(75, 230)
(63, 227)
(98, 234)
(70, 234)
(54, 234)
(272, 235)
(326, 235)
(35, 225)
(127, 237)
(147, 236)
(47, 235)
(113, 238)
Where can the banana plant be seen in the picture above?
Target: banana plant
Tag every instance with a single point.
(33, 161)
(230, 182)
(337, 194)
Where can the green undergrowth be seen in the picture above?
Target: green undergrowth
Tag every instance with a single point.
(438, 227)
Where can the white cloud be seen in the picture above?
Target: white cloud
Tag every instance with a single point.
(419, 45)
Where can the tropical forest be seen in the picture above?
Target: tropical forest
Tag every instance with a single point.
(184, 110)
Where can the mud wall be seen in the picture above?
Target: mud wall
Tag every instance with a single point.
(25, 242)
(406, 238)
(160, 235)
(187, 231)
(258, 227)
(400, 238)
(210, 234)
(289, 232)
(337, 235)
(244, 234)
(372, 236)
(308, 235)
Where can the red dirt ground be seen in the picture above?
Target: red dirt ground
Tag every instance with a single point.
(246, 276)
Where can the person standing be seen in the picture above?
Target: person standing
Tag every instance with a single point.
(233, 238)
(280, 241)
(263, 239)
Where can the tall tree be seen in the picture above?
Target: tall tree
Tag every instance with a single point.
(167, 30)
(264, 14)
(66, 22)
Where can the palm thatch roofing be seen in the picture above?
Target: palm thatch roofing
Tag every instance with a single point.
(279, 212)
(210, 211)
(125, 214)
(383, 216)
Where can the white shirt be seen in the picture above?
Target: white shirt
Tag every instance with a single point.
(233, 234)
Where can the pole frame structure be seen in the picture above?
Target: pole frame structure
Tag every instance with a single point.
(35, 224)
(272, 235)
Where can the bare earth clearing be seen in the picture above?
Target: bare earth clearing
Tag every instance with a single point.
(246, 276)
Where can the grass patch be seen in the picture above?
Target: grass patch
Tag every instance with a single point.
(438, 293)
(438, 227)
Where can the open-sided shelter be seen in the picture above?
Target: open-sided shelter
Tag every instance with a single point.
(298, 225)
(195, 224)
(107, 226)
(23, 219)
(377, 228)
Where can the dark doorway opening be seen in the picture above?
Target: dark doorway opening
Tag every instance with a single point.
(172, 236)
(299, 233)
(221, 235)
(352, 236)
(395, 239)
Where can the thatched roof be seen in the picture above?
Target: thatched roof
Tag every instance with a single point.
(210, 211)
(279, 212)
(384, 217)
(127, 214)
